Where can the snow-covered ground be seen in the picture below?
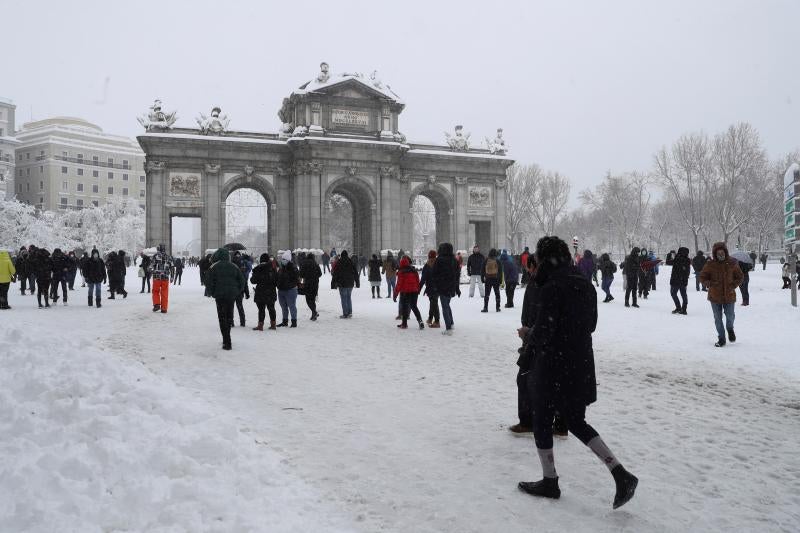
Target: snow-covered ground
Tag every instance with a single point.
(120, 419)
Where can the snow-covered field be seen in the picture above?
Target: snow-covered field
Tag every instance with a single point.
(120, 419)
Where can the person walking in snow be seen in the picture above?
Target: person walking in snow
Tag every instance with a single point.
(562, 371)
(8, 275)
(744, 287)
(225, 283)
(490, 276)
(510, 277)
(445, 279)
(430, 290)
(326, 262)
(721, 275)
(586, 264)
(239, 300)
(607, 269)
(679, 279)
(162, 264)
(523, 261)
(72, 269)
(764, 258)
(309, 277)
(178, 271)
(474, 268)
(43, 268)
(390, 272)
(147, 273)
(82, 267)
(287, 279)
(344, 277)
(408, 289)
(265, 280)
(698, 262)
(786, 275)
(59, 277)
(94, 272)
(630, 270)
(374, 276)
(21, 265)
(527, 319)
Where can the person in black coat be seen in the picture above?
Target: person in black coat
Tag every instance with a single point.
(144, 264)
(679, 279)
(445, 280)
(287, 279)
(344, 277)
(430, 290)
(60, 275)
(265, 294)
(631, 269)
(43, 269)
(94, 273)
(310, 272)
(375, 276)
(562, 371)
(72, 270)
(22, 268)
(82, 267)
(698, 262)
(607, 269)
(238, 262)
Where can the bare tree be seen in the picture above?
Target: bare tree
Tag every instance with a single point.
(739, 170)
(624, 200)
(551, 201)
(522, 192)
(685, 171)
(423, 215)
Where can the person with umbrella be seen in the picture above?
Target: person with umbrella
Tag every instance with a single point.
(746, 264)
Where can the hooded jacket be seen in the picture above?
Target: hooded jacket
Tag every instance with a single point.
(7, 269)
(681, 268)
(444, 276)
(407, 278)
(60, 265)
(265, 279)
(586, 264)
(510, 269)
(631, 267)
(374, 269)
(698, 262)
(224, 280)
(43, 266)
(721, 277)
(345, 275)
(607, 267)
(94, 269)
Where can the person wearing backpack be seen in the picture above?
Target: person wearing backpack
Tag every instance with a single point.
(490, 276)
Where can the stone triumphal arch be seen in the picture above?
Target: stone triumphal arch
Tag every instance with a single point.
(339, 136)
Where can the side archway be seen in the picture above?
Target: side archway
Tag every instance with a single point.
(442, 201)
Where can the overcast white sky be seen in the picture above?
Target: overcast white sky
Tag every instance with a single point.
(579, 87)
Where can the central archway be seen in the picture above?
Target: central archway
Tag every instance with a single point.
(264, 188)
(362, 201)
(442, 202)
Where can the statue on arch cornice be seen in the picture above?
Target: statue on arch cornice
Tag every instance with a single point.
(216, 124)
(458, 142)
(498, 145)
(156, 119)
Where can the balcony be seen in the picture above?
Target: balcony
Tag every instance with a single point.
(93, 163)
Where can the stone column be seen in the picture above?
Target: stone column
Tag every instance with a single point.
(212, 225)
(155, 197)
(388, 210)
(460, 201)
(307, 205)
(501, 237)
(284, 210)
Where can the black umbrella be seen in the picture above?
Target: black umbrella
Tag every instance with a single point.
(233, 246)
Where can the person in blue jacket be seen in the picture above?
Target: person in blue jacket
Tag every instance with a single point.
(510, 276)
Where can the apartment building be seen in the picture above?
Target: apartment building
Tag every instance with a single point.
(7, 146)
(70, 163)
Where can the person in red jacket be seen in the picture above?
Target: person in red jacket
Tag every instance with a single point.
(408, 289)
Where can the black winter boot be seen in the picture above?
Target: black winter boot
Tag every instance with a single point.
(626, 485)
(294, 323)
(546, 488)
(283, 324)
(97, 303)
(731, 335)
(90, 301)
(720, 342)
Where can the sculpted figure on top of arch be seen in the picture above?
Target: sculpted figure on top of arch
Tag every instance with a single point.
(216, 124)
(498, 145)
(458, 142)
(156, 119)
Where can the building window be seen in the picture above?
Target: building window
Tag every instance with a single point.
(94, 203)
(63, 202)
(41, 169)
(95, 160)
(41, 185)
(80, 187)
(80, 172)
(79, 202)
(27, 173)
(111, 161)
(124, 191)
(20, 173)
(111, 190)
(124, 177)
(2, 132)
(111, 175)
(141, 179)
(20, 187)
(63, 170)
(141, 206)
(95, 188)
(64, 185)
(141, 194)
(41, 200)
(65, 154)
(27, 156)
(95, 173)
(125, 163)
(80, 158)
(27, 187)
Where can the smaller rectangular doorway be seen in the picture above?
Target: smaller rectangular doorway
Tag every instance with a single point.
(185, 236)
(480, 234)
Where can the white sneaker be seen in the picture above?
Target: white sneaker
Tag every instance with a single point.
(448, 332)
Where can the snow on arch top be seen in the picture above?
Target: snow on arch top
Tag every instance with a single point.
(371, 82)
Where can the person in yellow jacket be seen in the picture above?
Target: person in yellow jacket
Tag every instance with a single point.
(8, 274)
